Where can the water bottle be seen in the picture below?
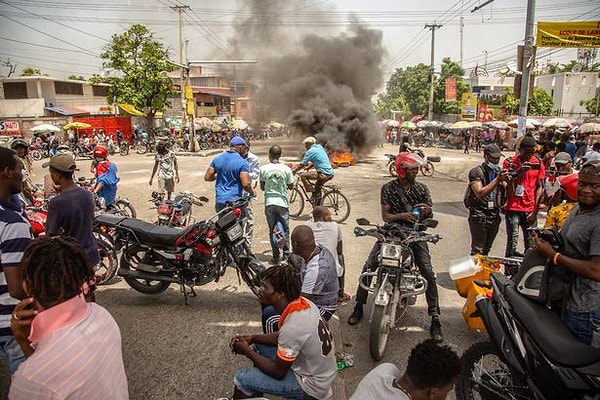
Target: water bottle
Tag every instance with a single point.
(345, 360)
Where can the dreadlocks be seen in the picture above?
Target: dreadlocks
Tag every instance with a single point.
(285, 279)
(430, 364)
(55, 269)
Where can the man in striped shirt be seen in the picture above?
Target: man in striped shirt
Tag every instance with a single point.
(15, 235)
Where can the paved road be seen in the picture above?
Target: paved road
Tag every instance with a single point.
(173, 351)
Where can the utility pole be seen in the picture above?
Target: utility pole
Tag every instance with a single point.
(433, 27)
(527, 66)
(184, 68)
(462, 27)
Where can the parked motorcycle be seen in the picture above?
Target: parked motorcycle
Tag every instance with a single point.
(145, 146)
(122, 205)
(427, 169)
(124, 147)
(153, 257)
(397, 281)
(530, 355)
(177, 212)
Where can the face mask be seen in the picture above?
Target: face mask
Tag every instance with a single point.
(493, 167)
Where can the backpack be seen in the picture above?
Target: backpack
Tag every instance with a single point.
(469, 195)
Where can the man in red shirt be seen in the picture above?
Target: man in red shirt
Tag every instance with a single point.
(523, 193)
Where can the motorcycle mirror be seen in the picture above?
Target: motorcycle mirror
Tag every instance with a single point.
(358, 231)
(203, 198)
(362, 221)
(430, 223)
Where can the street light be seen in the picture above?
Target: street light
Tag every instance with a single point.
(486, 59)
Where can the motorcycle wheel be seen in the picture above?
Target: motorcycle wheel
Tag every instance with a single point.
(203, 145)
(125, 208)
(485, 376)
(296, 202)
(380, 330)
(123, 150)
(427, 169)
(130, 258)
(251, 272)
(108, 259)
(338, 205)
(36, 155)
(141, 148)
(392, 169)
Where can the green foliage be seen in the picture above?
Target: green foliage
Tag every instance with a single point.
(410, 87)
(592, 106)
(540, 103)
(449, 69)
(143, 63)
(31, 71)
(76, 77)
(511, 104)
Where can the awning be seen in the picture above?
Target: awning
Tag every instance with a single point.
(131, 110)
(214, 91)
(66, 110)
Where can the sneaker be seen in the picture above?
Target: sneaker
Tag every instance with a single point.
(356, 316)
(435, 330)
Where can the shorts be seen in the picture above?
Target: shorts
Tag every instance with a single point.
(166, 185)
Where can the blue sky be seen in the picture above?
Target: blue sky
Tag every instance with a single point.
(64, 37)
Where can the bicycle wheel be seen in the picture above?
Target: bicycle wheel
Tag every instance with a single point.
(296, 202)
(338, 205)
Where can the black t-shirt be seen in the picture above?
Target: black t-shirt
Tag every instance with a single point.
(392, 195)
(481, 207)
(71, 213)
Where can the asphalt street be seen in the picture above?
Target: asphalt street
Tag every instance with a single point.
(174, 351)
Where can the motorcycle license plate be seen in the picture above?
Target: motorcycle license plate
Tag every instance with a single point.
(235, 232)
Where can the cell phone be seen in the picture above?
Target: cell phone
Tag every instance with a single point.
(535, 166)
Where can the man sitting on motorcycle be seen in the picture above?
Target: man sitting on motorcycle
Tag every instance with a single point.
(581, 255)
(106, 176)
(316, 157)
(400, 199)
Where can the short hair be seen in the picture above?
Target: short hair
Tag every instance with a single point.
(319, 212)
(275, 151)
(432, 365)
(55, 269)
(63, 174)
(7, 158)
(285, 279)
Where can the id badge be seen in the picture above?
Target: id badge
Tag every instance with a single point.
(519, 191)
(490, 205)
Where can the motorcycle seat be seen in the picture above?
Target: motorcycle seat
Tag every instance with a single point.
(152, 234)
(109, 219)
(550, 333)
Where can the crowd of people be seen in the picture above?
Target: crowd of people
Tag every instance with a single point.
(42, 307)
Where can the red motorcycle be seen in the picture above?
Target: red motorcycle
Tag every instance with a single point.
(177, 212)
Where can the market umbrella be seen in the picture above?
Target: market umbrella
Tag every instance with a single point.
(240, 124)
(515, 122)
(77, 125)
(275, 125)
(557, 123)
(460, 125)
(475, 124)
(497, 124)
(393, 123)
(203, 121)
(408, 125)
(589, 127)
(45, 128)
(423, 123)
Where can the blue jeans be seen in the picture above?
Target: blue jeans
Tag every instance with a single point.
(514, 220)
(251, 380)
(276, 214)
(583, 324)
(11, 352)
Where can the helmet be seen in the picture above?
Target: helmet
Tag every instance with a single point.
(100, 151)
(407, 160)
(18, 142)
(568, 183)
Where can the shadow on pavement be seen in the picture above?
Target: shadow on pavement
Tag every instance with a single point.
(455, 208)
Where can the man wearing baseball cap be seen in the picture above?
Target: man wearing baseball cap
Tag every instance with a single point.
(71, 212)
(561, 165)
(231, 173)
(485, 181)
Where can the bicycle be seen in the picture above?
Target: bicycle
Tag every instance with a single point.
(331, 197)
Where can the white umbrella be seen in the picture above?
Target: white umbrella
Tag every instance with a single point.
(528, 124)
(589, 127)
(45, 128)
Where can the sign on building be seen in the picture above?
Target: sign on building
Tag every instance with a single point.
(9, 127)
(468, 109)
(574, 34)
(450, 89)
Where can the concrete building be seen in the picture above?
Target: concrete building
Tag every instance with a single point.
(568, 90)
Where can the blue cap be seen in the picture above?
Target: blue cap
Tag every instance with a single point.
(236, 141)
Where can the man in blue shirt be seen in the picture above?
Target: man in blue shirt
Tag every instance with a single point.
(231, 173)
(316, 157)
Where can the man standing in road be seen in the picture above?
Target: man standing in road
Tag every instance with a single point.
(15, 235)
(231, 173)
(165, 162)
(524, 190)
(399, 199)
(316, 157)
(581, 255)
(485, 180)
(254, 164)
(275, 180)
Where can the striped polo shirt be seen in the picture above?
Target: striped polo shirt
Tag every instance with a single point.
(15, 235)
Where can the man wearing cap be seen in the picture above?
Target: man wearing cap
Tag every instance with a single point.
(563, 165)
(581, 255)
(316, 157)
(231, 173)
(523, 193)
(485, 181)
(71, 212)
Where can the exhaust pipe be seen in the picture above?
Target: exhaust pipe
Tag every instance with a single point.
(144, 275)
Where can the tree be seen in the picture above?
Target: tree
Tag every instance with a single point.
(31, 71)
(540, 103)
(409, 89)
(591, 105)
(511, 104)
(144, 65)
(449, 69)
(76, 77)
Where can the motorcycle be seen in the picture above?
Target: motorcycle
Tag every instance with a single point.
(530, 355)
(145, 146)
(123, 147)
(397, 281)
(153, 257)
(121, 206)
(427, 168)
(176, 212)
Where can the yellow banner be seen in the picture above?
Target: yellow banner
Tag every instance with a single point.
(568, 34)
